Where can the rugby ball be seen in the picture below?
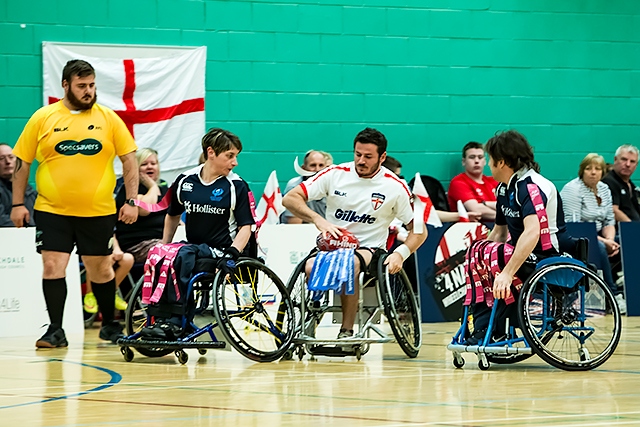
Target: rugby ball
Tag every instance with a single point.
(346, 241)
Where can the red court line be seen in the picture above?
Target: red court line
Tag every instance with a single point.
(255, 411)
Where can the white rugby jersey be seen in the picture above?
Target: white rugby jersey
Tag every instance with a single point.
(364, 206)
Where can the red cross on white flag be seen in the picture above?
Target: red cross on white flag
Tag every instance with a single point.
(157, 91)
(270, 204)
(423, 210)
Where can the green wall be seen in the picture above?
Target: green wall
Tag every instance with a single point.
(431, 74)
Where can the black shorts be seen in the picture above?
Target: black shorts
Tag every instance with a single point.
(60, 233)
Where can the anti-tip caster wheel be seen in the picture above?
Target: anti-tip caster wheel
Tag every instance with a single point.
(182, 356)
(127, 353)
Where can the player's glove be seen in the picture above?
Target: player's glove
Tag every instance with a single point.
(227, 263)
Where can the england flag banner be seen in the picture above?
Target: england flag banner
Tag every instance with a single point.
(158, 91)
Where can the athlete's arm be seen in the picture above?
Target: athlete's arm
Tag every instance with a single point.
(413, 242)
(128, 213)
(526, 244)
(498, 234)
(20, 214)
(242, 238)
(170, 226)
(296, 201)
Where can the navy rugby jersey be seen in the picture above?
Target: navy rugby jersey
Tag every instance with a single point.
(214, 210)
(514, 204)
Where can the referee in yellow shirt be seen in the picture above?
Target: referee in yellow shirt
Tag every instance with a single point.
(75, 141)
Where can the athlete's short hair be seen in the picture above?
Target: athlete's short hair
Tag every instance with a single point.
(77, 67)
(220, 140)
(372, 136)
(469, 146)
(512, 147)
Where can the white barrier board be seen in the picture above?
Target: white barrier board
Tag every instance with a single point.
(22, 308)
(283, 246)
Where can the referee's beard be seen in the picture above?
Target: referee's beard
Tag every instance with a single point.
(80, 104)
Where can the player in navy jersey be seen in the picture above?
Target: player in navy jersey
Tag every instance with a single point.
(529, 210)
(362, 197)
(216, 202)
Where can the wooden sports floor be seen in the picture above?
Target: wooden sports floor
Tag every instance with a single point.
(89, 384)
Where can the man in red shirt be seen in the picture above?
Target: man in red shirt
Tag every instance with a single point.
(476, 190)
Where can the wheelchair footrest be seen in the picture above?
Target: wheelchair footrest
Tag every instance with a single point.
(460, 348)
(173, 345)
(331, 351)
(341, 342)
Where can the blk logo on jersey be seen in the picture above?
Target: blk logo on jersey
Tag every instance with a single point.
(352, 216)
(205, 209)
(216, 195)
(377, 200)
(87, 147)
(340, 193)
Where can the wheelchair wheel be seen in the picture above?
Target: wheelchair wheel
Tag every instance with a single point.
(400, 308)
(247, 306)
(314, 311)
(569, 317)
(136, 319)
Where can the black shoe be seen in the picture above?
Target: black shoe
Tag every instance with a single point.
(476, 337)
(54, 337)
(111, 332)
(162, 330)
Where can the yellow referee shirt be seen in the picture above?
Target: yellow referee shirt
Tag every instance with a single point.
(75, 150)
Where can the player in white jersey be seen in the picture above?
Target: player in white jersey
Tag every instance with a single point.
(362, 197)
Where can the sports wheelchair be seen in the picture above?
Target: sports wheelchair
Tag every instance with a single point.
(567, 316)
(391, 294)
(251, 308)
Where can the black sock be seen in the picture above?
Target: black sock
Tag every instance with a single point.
(105, 294)
(55, 295)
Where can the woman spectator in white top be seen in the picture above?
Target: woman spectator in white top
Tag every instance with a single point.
(587, 199)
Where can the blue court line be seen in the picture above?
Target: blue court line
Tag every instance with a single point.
(115, 379)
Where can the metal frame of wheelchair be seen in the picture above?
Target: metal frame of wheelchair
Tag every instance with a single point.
(252, 301)
(394, 297)
(568, 317)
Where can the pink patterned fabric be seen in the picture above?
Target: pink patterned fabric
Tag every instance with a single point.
(538, 204)
(481, 265)
(161, 256)
(156, 207)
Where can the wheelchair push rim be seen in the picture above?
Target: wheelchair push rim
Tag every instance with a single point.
(401, 308)
(254, 311)
(572, 326)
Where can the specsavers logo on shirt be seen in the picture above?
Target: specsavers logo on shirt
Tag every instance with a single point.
(87, 147)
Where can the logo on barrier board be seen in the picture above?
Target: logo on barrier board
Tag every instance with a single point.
(12, 262)
(9, 305)
(449, 286)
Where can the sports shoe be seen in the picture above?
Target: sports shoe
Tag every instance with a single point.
(90, 303)
(111, 332)
(121, 304)
(162, 330)
(622, 303)
(345, 333)
(54, 337)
